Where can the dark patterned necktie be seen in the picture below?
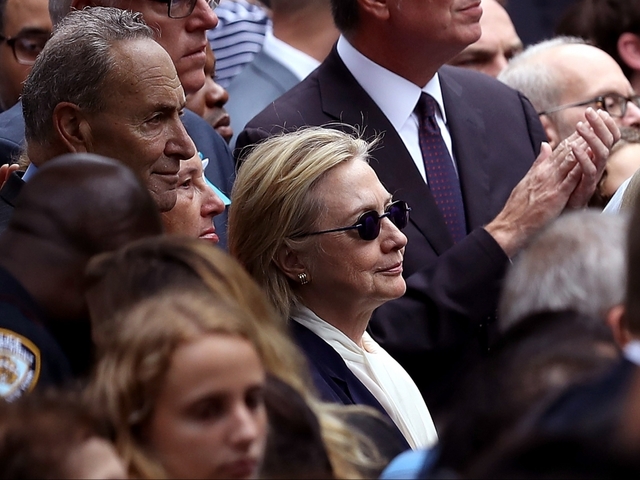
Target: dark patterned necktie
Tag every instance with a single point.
(441, 174)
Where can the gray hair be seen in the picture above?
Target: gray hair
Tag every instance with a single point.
(75, 65)
(577, 263)
(540, 83)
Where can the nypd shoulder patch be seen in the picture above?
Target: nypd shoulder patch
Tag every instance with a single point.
(19, 365)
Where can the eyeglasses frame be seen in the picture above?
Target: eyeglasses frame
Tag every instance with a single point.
(600, 101)
(11, 41)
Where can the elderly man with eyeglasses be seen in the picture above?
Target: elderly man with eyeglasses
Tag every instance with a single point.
(564, 76)
(24, 29)
(180, 27)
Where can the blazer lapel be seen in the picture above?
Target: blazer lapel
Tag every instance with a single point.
(344, 100)
(469, 148)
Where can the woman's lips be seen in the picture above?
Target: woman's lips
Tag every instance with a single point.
(395, 269)
(210, 235)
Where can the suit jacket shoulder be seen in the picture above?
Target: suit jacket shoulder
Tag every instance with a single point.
(260, 83)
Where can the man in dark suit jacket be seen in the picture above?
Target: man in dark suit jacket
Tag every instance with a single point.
(495, 136)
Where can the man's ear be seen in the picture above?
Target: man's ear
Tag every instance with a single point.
(377, 8)
(551, 131)
(629, 50)
(72, 128)
(618, 325)
(290, 263)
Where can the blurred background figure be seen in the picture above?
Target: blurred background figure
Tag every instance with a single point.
(613, 26)
(238, 37)
(577, 263)
(301, 36)
(25, 27)
(535, 19)
(563, 76)
(209, 101)
(56, 435)
(497, 45)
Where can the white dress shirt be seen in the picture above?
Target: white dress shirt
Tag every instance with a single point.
(397, 97)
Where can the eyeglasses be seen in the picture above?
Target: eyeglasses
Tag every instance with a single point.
(614, 104)
(27, 44)
(184, 8)
(368, 224)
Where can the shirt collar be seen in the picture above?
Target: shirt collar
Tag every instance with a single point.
(379, 82)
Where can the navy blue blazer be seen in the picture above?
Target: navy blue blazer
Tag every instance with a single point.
(331, 376)
(220, 171)
(451, 289)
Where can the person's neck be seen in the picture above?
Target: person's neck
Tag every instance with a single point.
(384, 51)
(352, 320)
(311, 31)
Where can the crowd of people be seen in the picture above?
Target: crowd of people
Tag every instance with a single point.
(379, 239)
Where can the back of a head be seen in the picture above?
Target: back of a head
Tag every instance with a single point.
(84, 204)
(536, 359)
(577, 263)
(75, 65)
(289, 7)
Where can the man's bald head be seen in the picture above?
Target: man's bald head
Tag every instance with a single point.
(85, 204)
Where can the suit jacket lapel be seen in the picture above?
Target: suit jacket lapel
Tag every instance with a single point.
(344, 99)
(469, 148)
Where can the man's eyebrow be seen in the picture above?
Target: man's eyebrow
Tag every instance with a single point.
(33, 30)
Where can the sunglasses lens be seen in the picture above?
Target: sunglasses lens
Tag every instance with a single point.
(398, 214)
(369, 227)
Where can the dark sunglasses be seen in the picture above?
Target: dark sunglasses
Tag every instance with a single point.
(368, 224)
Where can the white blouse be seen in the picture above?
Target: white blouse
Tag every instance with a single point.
(385, 378)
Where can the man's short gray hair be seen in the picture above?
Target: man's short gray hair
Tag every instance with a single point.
(577, 263)
(75, 65)
(540, 83)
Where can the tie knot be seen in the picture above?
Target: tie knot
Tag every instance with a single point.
(427, 105)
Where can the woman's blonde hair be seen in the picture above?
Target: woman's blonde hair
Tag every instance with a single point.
(273, 200)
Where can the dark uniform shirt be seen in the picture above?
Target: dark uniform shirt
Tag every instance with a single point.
(30, 357)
